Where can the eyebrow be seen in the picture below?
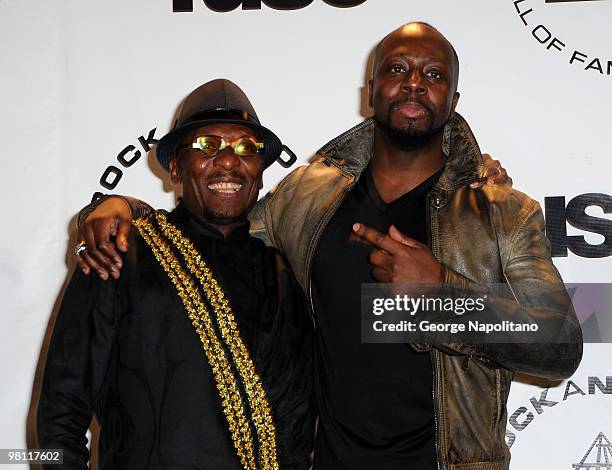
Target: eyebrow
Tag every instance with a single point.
(435, 60)
(430, 58)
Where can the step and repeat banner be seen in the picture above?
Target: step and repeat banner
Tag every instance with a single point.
(87, 86)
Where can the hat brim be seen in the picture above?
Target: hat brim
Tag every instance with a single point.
(167, 144)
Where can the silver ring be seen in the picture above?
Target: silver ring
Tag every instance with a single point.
(80, 248)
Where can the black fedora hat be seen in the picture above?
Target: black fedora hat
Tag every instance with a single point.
(215, 102)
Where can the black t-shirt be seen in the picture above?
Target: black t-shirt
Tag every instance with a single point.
(375, 400)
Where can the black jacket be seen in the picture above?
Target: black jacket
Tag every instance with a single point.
(126, 351)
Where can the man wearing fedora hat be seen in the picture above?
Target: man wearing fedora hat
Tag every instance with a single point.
(199, 356)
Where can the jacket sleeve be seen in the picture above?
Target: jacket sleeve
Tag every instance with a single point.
(285, 348)
(137, 207)
(77, 362)
(538, 295)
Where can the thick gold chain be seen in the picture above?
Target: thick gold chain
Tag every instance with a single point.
(231, 399)
(261, 411)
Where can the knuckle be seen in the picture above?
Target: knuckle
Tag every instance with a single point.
(105, 246)
(379, 237)
(92, 264)
(101, 260)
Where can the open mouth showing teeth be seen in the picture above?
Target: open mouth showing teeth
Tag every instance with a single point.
(227, 188)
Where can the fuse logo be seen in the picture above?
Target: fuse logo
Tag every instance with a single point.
(558, 215)
(229, 5)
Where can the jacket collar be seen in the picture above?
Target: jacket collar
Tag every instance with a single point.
(352, 150)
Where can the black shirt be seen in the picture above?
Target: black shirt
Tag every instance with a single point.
(126, 351)
(375, 400)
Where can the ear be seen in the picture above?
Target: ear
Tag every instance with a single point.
(370, 92)
(174, 170)
(455, 101)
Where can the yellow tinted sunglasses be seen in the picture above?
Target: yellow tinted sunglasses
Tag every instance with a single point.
(211, 145)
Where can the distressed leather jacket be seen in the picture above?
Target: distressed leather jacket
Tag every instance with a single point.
(491, 235)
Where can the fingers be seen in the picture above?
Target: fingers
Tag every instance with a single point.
(398, 236)
(112, 218)
(477, 184)
(384, 261)
(501, 177)
(123, 233)
(376, 238)
(103, 231)
(381, 275)
(493, 169)
(94, 265)
(379, 258)
(93, 257)
(494, 172)
(497, 175)
(99, 250)
(82, 265)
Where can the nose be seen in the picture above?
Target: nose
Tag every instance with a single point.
(414, 82)
(226, 159)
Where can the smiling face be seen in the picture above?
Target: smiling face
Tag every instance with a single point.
(414, 87)
(223, 188)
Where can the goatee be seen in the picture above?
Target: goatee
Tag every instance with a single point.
(407, 137)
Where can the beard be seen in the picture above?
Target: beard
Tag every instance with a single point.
(408, 137)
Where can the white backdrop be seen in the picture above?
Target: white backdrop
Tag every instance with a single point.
(82, 79)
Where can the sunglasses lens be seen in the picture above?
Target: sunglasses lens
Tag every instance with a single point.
(209, 144)
(245, 147)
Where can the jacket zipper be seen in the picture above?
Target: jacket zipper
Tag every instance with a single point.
(436, 393)
(436, 380)
(433, 395)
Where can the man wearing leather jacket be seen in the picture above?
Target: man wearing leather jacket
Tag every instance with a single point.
(390, 201)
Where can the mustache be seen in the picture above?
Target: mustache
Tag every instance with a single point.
(395, 105)
(232, 175)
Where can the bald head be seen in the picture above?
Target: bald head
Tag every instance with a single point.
(413, 90)
(417, 30)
